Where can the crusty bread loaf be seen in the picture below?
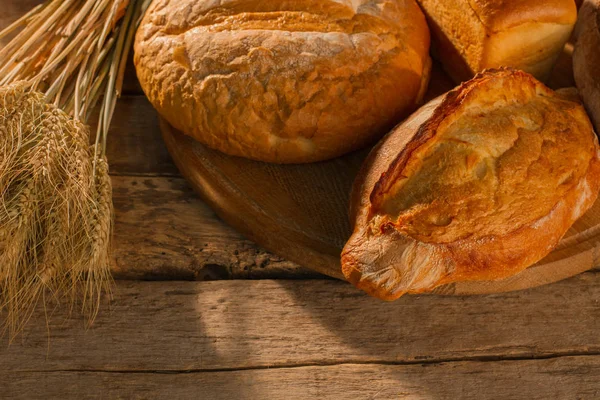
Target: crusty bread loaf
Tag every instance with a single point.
(472, 35)
(586, 58)
(476, 185)
(283, 81)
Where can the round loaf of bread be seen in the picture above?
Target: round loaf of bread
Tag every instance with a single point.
(283, 81)
(477, 185)
(586, 57)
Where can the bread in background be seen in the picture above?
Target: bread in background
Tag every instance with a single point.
(471, 35)
(478, 184)
(284, 81)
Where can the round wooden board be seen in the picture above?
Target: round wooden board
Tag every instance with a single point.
(300, 211)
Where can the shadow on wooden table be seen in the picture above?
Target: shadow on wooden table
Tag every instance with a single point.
(460, 347)
(313, 339)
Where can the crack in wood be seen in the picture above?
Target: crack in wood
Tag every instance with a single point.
(163, 231)
(475, 359)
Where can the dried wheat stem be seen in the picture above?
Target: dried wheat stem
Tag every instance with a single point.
(55, 191)
(22, 21)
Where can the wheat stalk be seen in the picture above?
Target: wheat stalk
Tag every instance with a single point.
(55, 192)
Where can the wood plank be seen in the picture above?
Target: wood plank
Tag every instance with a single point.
(135, 145)
(562, 378)
(224, 325)
(164, 231)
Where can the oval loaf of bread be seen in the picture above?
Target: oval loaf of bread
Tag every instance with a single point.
(472, 35)
(476, 185)
(586, 57)
(283, 81)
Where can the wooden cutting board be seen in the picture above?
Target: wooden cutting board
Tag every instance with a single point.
(300, 211)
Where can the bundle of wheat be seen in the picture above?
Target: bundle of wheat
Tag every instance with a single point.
(55, 192)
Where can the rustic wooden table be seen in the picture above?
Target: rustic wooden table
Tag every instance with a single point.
(200, 312)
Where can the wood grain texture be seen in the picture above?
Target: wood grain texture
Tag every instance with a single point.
(232, 325)
(563, 378)
(163, 231)
(314, 339)
(300, 211)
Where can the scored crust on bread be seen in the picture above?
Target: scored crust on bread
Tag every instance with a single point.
(472, 35)
(283, 81)
(478, 184)
(586, 58)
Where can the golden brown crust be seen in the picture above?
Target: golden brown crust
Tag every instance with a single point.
(283, 81)
(498, 15)
(477, 185)
(586, 58)
(472, 35)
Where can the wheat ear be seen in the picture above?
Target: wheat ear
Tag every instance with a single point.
(56, 213)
